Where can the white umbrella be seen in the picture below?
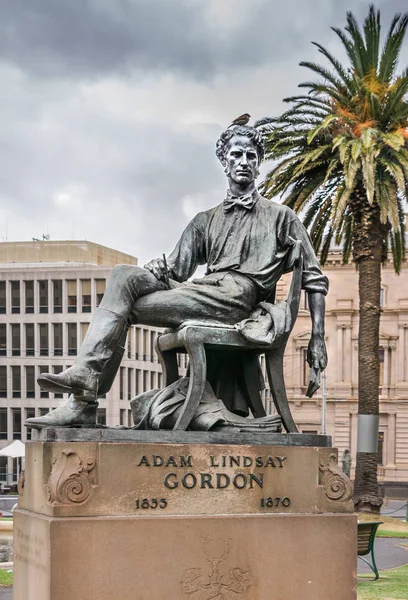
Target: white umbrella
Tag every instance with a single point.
(14, 450)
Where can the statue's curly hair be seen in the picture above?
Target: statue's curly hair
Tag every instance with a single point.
(244, 131)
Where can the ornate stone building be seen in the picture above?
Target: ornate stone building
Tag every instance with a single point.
(342, 371)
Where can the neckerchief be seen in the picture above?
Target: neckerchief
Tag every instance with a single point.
(246, 201)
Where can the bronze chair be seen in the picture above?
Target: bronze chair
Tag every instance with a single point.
(194, 338)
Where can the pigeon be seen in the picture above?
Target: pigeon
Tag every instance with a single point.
(241, 120)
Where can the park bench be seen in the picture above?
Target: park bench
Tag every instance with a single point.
(365, 543)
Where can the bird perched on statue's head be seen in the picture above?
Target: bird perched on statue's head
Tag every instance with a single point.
(241, 120)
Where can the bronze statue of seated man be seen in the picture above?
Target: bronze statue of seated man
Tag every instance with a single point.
(244, 241)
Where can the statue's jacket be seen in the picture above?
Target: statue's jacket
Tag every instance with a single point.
(253, 244)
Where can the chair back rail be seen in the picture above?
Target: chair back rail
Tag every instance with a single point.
(274, 357)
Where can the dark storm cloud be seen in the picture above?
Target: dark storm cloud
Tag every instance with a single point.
(69, 38)
(110, 109)
(73, 37)
(70, 163)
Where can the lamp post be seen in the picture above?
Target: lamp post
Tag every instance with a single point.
(324, 397)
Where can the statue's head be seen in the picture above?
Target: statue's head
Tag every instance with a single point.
(240, 150)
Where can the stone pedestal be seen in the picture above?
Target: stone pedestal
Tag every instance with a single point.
(185, 520)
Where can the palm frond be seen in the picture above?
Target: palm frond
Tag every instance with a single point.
(392, 47)
(342, 146)
(396, 98)
(347, 237)
(367, 165)
(322, 88)
(322, 101)
(393, 140)
(342, 73)
(372, 30)
(340, 204)
(264, 121)
(397, 239)
(325, 73)
(318, 229)
(357, 42)
(323, 125)
(347, 44)
(317, 207)
(327, 240)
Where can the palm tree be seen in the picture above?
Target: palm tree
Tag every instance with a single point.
(341, 157)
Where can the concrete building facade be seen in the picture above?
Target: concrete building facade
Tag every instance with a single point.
(48, 291)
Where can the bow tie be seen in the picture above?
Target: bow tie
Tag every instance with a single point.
(247, 201)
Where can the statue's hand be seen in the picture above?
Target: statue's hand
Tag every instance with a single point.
(317, 353)
(158, 268)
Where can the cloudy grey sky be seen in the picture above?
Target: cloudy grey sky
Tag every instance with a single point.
(110, 109)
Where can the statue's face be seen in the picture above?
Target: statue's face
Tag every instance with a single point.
(241, 160)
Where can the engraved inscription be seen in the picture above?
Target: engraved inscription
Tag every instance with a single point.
(29, 549)
(214, 480)
(146, 503)
(226, 473)
(219, 481)
(158, 461)
(275, 502)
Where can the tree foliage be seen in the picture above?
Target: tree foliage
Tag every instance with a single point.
(342, 148)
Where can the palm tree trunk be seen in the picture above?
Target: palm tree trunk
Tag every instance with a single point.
(368, 245)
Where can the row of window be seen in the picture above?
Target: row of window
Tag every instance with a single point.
(141, 344)
(126, 417)
(144, 340)
(138, 381)
(20, 381)
(19, 415)
(33, 296)
(144, 380)
(12, 380)
(5, 474)
(42, 330)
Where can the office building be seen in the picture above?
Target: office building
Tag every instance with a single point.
(48, 291)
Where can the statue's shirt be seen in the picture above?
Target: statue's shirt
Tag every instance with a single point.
(254, 242)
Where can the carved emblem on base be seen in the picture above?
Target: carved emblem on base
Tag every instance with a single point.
(336, 485)
(69, 481)
(217, 584)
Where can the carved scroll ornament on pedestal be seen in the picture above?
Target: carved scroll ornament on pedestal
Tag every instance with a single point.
(69, 481)
(336, 485)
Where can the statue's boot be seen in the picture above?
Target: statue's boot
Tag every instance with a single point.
(102, 349)
(74, 413)
(100, 355)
